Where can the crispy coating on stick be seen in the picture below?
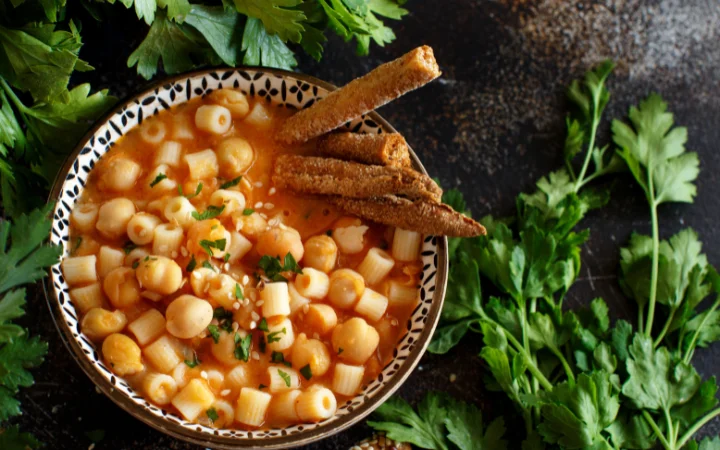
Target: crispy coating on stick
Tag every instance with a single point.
(382, 85)
(385, 149)
(315, 175)
(421, 216)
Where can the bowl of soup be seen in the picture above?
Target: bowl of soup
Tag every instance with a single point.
(213, 306)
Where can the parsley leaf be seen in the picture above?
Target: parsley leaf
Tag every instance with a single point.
(248, 211)
(276, 16)
(214, 333)
(220, 27)
(12, 439)
(262, 325)
(285, 377)
(274, 336)
(208, 246)
(211, 212)
(238, 292)
(306, 371)
(212, 414)
(198, 189)
(191, 265)
(158, 178)
(263, 49)
(278, 357)
(16, 357)
(273, 268)
(231, 183)
(194, 362)
(242, 347)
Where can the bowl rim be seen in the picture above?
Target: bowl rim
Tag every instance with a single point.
(200, 437)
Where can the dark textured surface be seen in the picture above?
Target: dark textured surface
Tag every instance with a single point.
(491, 126)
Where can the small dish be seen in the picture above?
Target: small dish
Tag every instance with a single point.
(277, 87)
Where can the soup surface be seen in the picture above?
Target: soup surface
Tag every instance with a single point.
(219, 297)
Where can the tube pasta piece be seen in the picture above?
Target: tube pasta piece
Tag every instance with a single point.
(386, 149)
(315, 175)
(382, 85)
(420, 216)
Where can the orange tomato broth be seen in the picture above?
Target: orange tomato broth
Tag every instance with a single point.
(309, 216)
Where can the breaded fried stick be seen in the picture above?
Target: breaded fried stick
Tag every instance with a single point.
(315, 175)
(382, 85)
(421, 216)
(385, 149)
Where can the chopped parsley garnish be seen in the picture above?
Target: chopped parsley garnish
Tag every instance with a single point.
(231, 183)
(212, 414)
(273, 337)
(285, 377)
(226, 258)
(242, 347)
(129, 246)
(197, 191)
(278, 357)
(306, 372)
(194, 363)
(135, 264)
(211, 212)
(207, 265)
(224, 318)
(158, 178)
(263, 326)
(273, 268)
(214, 333)
(191, 265)
(208, 246)
(78, 243)
(238, 292)
(248, 211)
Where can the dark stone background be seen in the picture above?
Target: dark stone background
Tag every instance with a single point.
(491, 126)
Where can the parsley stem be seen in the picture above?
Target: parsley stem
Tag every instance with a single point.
(655, 256)
(691, 348)
(14, 98)
(656, 429)
(666, 327)
(670, 427)
(696, 426)
(591, 144)
(568, 371)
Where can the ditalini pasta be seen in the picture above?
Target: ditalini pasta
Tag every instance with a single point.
(216, 295)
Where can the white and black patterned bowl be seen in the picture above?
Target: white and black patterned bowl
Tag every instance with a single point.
(286, 89)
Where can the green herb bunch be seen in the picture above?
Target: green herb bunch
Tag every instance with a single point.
(577, 381)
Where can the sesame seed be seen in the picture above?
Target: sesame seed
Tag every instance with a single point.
(263, 215)
(258, 184)
(183, 251)
(272, 191)
(235, 276)
(253, 295)
(238, 225)
(394, 322)
(196, 275)
(255, 316)
(214, 322)
(225, 392)
(206, 288)
(184, 282)
(258, 205)
(226, 267)
(253, 325)
(306, 308)
(174, 254)
(204, 375)
(247, 301)
(246, 279)
(256, 356)
(163, 248)
(260, 303)
(316, 335)
(235, 326)
(269, 205)
(274, 221)
(236, 306)
(453, 377)
(282, 226)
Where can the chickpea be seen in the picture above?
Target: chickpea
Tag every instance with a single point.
(251, 226)
(187, 316)
(121, 287)
(346, 287)
(235, 156)
(321, 318)
(279, 242)
(207, 230)
(320, 253)
(99, 323)
(160, 274)
(222, 290)
(357, 339)
(122, 354)
(233, 100)
(120, 174)
(313, 352)
(114, 216)
(224, 349)
(200, 280)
